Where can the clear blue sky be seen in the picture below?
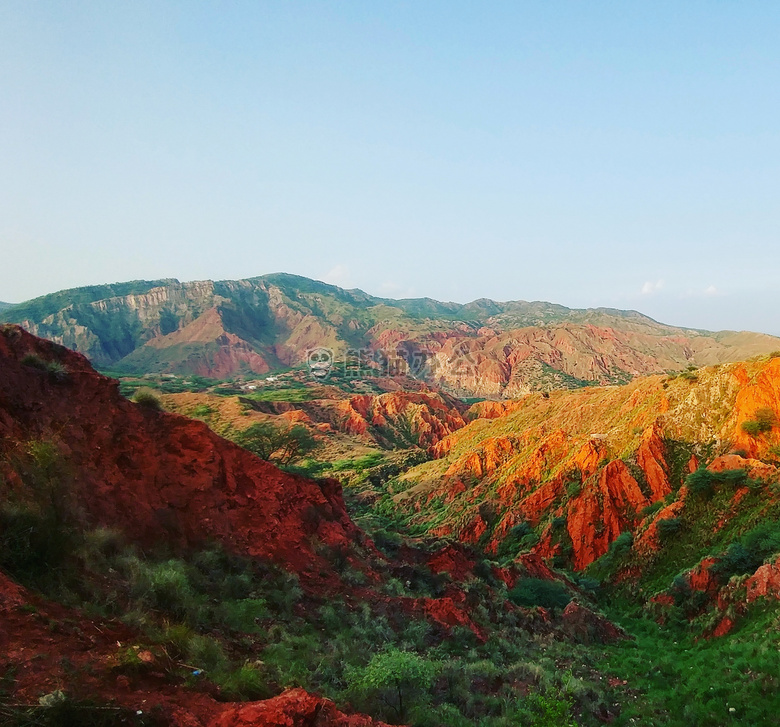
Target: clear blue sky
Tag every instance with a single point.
(587, 153)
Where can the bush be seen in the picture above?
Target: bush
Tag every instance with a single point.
(38, 524)
(652, 509)
(668, 527)
(245, 683)
(33, 543)
(750, 552)
(147, 399)
(701, 482)
(55, 370)
(394, 679)
(165, 587)
(539, 592)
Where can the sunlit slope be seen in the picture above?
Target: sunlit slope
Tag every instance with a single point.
(566, 473)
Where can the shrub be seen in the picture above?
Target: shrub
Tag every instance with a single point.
(148, 399)
(32, 542)
(750, 552)
(652, 509)
(394, 679)
(701, 482)
(766, 417)
(245, 683)
(668, 527)
(165, 587)
(38, 530)
(206, 653)
(539, 592)
(56, 371)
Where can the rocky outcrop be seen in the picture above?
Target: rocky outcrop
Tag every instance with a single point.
(587, 627)
(607, 507)
(293, 708)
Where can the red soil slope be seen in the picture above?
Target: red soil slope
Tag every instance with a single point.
(160, 476)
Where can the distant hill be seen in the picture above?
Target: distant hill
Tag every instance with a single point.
(483, 348)
(3, 306)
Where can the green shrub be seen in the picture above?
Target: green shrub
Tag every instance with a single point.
(746, 555)
(55, 370)
(668, 527)
(33, 543)
(764, 419)
(652, 508)
(165, 587)
(245, 683)
(701, 482)
(395, 680)
(206, 653)
(39, 523)
(552, 710)
(146, 398)
(539, 592)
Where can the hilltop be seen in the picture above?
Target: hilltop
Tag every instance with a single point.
(266, 324)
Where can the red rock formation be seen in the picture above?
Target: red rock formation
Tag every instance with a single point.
(702, 579)
(452, 560)
(765, 582)
(651, 457)
(763, 392)
(293, 708)
(160, 476)
(427, 417)
(756, 469)
(587, 627)
(603, 510)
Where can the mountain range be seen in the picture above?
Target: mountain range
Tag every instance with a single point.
(255, 326)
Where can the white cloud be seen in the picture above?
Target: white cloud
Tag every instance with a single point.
(338, 275)
(651, 287)
(396, 290)
(711, 290)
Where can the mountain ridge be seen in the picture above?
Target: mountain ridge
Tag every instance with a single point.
(257, 325)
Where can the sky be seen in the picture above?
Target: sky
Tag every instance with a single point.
(584, 153)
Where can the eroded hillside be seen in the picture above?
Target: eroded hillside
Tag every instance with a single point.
(573, 470)
(484, 348)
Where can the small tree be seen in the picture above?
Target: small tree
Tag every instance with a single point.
(396, 679)
(276, 444)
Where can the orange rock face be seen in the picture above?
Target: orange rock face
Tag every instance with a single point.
(762, 393)
(426, 417)
(651, 457)
(605, 509)
(765, 582)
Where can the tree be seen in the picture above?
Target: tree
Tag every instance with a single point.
(278, 444)
(396, 679)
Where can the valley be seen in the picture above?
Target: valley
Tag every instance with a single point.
(581, 527)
